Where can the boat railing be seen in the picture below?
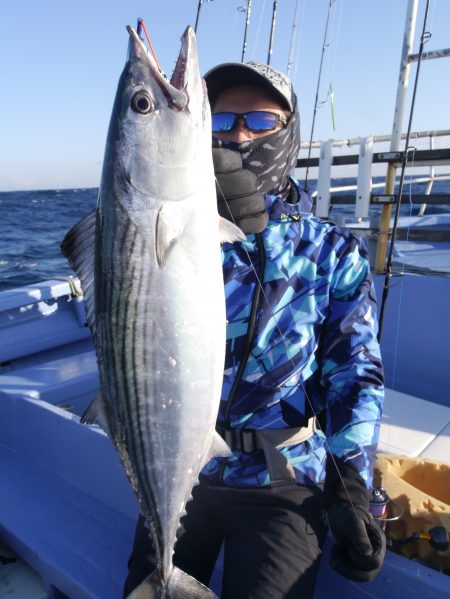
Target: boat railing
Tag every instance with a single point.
(326, 195)
(369, 195)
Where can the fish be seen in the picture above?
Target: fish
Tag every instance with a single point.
(149, 262)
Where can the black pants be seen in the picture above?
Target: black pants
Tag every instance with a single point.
(273, 541)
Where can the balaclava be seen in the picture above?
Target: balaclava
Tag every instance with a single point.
(271, 157)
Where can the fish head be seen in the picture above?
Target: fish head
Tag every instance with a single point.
(160, 129)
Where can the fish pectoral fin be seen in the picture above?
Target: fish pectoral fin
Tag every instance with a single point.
(78, 247)
(229, 232)
(95, 413)
(169, 228)
(179, 586)
(219, 448)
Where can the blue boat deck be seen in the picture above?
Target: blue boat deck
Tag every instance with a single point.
(66, 506)
(68, 510)
(18, 580)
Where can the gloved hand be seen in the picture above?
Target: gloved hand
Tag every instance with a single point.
(360, 544)
(237, 197)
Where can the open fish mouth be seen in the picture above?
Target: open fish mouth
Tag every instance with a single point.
(175, 89)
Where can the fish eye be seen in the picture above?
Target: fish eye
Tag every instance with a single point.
(142, 102)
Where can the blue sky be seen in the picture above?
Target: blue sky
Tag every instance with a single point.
(61, 62)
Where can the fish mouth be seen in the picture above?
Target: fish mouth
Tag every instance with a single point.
(175, 89)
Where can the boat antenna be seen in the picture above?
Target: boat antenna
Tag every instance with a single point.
(424, 38)
(272, 31)
(293, 39)
(247, 11)
(324, 47)
(199, 8)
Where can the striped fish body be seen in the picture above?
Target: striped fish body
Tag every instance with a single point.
(150, 266)
(160, 332)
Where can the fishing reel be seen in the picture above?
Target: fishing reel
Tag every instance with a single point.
(384, 510)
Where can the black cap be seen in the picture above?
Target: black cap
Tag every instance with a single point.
(257, 73)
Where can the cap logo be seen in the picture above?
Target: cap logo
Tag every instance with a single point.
(280, 82)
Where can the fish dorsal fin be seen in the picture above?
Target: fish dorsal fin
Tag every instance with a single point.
(169, 228)
(78, 247)
(229, 232)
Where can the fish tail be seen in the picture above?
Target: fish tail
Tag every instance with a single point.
(151, 587)
(183, 586)
(179, 586)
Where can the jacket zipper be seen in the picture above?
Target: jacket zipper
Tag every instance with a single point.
(249, 336)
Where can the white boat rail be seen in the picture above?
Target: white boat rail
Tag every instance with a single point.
(328, 162)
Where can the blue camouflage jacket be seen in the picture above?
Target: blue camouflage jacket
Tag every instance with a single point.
(303, 344)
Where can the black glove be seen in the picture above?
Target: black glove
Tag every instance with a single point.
(237, 197)
(360, 544)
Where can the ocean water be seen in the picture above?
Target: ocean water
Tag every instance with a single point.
(33, 224)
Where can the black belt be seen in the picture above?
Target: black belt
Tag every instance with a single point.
(239, 439)
(269, 440)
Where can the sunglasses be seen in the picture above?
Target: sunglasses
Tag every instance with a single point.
(255, 121)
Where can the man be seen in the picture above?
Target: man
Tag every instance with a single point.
(301, 344)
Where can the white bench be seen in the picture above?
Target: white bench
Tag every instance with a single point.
(414, 427)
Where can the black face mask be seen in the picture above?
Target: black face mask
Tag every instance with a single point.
(272, 157)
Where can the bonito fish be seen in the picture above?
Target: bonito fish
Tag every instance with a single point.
(149, 263)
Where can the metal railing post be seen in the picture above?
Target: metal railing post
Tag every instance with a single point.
(383, 237)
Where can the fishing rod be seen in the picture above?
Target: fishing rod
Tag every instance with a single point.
(247, 23)
(324, 46)
(424, 38)
(199, 7)
(293, 38)
(272, 31)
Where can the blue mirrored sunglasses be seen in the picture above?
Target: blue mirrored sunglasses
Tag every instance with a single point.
(255, 121)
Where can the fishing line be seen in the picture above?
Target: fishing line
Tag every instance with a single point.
(272, 31)
(140, 26)
(275, 319)
(283, 340)
(361, 590)
(424, 38)
(401, 273)
(258, 31)
(335, 36)
(432, 15)
(199, 8)
(297, 51)
(400, 301)
(324, 47)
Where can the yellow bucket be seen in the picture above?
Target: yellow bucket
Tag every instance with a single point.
(422, 489)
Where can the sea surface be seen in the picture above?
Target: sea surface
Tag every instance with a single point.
(33, 224)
